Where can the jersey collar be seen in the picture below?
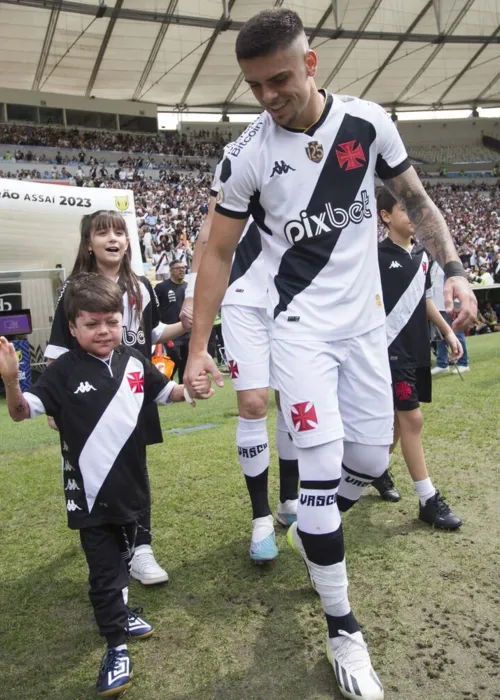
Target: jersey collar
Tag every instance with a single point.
(311, 130)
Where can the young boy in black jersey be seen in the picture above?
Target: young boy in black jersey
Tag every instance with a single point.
(405, 275)
(96, 394)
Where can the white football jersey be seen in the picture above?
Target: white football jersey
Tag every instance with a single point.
(312, 194)
(247, 284)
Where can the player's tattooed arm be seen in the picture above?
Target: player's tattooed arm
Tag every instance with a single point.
(429, 224)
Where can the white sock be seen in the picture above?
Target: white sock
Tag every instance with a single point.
(425, 490)
(121, 647)
(253, 446)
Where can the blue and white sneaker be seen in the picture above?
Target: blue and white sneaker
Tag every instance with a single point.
(286, 513)
(263, 545)
(137, 627)
(115, 674)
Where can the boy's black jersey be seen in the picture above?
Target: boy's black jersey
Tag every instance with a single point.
(98, 406)
(405, 281)
(139, 332)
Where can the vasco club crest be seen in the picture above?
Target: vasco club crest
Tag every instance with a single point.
(315, 152)
(121, 203)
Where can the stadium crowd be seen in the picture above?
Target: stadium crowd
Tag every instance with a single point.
(202, 143)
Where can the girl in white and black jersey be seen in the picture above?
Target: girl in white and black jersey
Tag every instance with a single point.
(105, 248)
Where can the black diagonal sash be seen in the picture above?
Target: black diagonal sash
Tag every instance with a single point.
(304, 260)
(247, 252)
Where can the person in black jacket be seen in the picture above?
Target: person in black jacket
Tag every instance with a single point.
(170, 295)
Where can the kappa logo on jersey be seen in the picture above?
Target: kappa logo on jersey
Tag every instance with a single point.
(354, 157)
(71, 507)
(310, 500)
(304, 416)
(402, 391)
(250, 452)
(84, 388)
(281, 168)
(71, 486)
(233, 369)
(394, 264)
(327, 220)
(136, 382)
(315, 152)
(67, 467)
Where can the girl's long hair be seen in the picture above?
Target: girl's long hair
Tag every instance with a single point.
(86, 262)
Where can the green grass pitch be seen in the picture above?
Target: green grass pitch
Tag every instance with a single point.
(428, 601)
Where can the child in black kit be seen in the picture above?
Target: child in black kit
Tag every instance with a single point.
(96, 395)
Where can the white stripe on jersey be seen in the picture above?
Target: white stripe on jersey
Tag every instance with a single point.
(402, 312)
(106, 442)
(36, 406)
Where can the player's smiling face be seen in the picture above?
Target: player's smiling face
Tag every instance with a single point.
(109, 246)
(283, 83)
(97, 333)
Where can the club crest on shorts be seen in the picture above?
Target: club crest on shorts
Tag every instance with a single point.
(402, 391)
(304, 416)
(233, 369)
(315, 151)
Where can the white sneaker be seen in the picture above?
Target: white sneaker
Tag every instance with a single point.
(145, 568)
(353, 669)
(439, 370)
(460, 370)
(286, 513)
(293, 539)
(263, 544)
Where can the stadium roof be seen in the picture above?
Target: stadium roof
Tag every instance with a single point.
(405, 54)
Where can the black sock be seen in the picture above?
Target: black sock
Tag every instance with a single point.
(346, 623)
(289, 479)
(257, 488)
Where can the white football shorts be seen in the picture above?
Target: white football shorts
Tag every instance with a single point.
(247, 345)
(332, 390)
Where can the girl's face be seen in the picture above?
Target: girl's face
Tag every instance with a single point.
(109, 246)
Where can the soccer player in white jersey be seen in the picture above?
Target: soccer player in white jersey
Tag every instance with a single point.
(245, 330)
(305, 170)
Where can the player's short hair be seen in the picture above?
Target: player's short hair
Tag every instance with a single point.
(267, 32)
(90, 291)
(385, 201)
(176, 262)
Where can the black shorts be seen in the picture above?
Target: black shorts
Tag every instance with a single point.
(410, 386)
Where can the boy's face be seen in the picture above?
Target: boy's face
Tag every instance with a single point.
(98, 333)
(398, 221)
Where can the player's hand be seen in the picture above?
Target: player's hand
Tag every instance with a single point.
(186, 314)
(459, 288)
(198, 364)
(9, 364)
(455, 347)
(202, 386)
(51, 423)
